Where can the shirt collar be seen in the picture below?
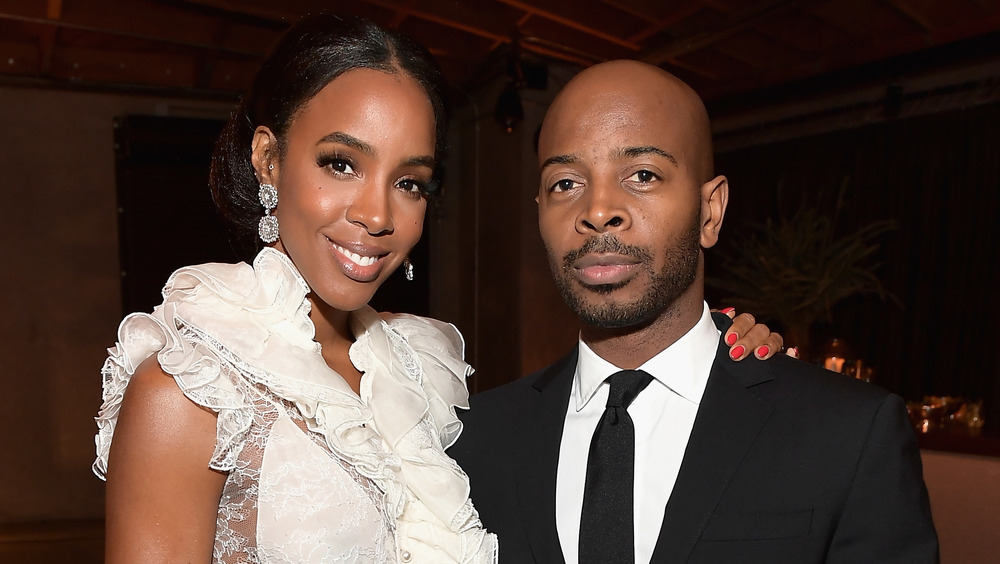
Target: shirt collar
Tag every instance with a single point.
(683, 367)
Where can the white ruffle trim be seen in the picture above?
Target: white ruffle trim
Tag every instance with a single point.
(257, 319)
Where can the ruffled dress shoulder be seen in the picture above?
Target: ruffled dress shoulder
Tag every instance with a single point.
(316, 473)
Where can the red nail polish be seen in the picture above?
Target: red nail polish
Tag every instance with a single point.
(730, 339)
(727, 310)
(737, 352)
(763, 350)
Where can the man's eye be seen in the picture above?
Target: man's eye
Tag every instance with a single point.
(643, 176)
(563, 185)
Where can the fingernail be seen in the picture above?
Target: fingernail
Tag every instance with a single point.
(737, 352)
(727, 310)
(793, 352)
(730, 339)
(763, 350)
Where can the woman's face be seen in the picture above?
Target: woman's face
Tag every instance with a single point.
(350, 205)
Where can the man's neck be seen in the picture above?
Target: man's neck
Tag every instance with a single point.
(630, 347)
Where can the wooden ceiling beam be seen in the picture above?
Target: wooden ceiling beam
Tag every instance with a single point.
(400, 15)
(988, 6)
(571, 41)
(206, 66)
(571, 23)
(737, 23)
(479, 29)
(261, 11)
(689, 10)
(864, 54)
(911, 14)
(630, 9)
(696, 69)
(47, 39)
(123, 33)
(559, 54)
(717, 6)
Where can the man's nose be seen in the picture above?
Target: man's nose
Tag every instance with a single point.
(603, 209)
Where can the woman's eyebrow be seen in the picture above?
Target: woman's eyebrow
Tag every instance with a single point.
(426, 161)
(349, 140)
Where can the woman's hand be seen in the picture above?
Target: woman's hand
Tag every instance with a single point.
(746, 335)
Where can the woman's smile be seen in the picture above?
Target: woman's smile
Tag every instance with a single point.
(365, 265)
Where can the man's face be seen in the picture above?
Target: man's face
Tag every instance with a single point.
(620, 202)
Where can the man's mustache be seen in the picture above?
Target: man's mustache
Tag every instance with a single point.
(608, 243)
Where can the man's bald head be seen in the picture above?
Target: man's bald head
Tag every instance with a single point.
(603, 93)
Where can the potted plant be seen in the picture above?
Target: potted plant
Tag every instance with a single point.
(793, 269)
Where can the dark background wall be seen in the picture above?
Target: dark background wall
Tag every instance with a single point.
(61, 289)
(938, 177)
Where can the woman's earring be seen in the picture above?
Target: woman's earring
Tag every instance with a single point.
(408, 269)
(268, 227)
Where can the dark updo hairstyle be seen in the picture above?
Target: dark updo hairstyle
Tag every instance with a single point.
(313, 52)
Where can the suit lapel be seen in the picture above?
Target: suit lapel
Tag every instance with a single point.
(539, 432)
(729, 419)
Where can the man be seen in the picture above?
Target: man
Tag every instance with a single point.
(752, 462)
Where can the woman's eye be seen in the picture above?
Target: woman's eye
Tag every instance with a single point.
(643, 176)
(341, 166)
(563, 185)
(411, 185)
(417, 189)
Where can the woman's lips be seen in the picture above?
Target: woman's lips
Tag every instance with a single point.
(360, 263)
(360, 260)
(601, 269)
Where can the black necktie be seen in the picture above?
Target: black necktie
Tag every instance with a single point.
(607, 534)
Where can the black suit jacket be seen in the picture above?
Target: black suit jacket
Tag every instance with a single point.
(787, 463)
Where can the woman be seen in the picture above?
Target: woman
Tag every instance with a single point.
(264, 413)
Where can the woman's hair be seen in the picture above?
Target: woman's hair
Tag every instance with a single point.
(313, 52)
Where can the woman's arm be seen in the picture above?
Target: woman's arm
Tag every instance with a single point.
(162, 498)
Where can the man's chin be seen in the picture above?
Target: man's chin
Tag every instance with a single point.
(607, 314)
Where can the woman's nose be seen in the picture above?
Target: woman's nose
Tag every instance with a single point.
(371, 210)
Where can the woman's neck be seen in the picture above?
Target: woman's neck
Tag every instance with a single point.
(333, 333)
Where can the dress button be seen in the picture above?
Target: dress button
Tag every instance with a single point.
(405, 556)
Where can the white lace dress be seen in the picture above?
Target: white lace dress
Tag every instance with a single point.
(315, 472)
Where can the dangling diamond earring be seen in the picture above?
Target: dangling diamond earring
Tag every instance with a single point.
(408, 269)
(268, 227)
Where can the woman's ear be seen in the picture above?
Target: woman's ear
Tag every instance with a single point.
(714, 199)
(263, 155)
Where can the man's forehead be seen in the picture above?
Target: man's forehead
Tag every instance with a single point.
(612, 107)
(612, 131)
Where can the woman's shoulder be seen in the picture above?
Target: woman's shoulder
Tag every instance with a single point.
(154, 395)
(169, 362)
(427, 332)
(151, 383)
(269, 281)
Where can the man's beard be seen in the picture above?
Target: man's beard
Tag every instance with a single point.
(679, 271)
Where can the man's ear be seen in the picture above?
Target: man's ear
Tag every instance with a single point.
(264, 155)
(714, 199)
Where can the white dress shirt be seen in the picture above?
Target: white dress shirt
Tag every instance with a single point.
(663, 415)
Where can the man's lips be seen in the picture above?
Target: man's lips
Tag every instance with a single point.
(604, 268)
